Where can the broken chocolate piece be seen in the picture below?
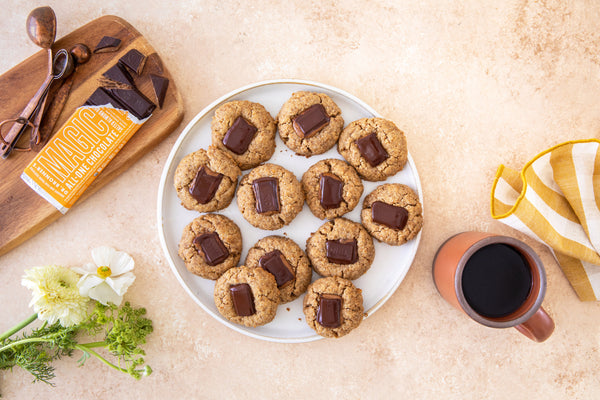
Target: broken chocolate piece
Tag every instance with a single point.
(266, 193)
(107, 44)
(205, 185)
(212, 247)
(242, 299)
(134, 101)
(134, 60)
(371, 149)
(101, 97)
(331, 189)
(276, 263)
(160, 85)
(329, 313)
(342, 251)
(239, 136)
(117, 75)
(391, 216)
(310, 121)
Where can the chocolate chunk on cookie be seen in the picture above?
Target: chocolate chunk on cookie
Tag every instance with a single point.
(375, 147)
(310, 123)
(210, 245)
(286, 261)
(333, 306)
(341, 248)
(392, 213)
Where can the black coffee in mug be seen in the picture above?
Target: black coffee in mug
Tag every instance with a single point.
(496, 280)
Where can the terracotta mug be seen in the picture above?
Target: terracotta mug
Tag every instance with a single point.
(449, 264)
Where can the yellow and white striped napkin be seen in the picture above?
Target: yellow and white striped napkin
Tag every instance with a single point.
(555, 199)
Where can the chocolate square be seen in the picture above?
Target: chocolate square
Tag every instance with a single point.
(107, 44)
(160, 84)
(391, 216)
(371, 149)
(276, 263)
(243, 299)
(342, 251)
(310, 121)
(134, 60)
(266, 193)
(331, 189)
(329, 313)
(101, 97)
(212, 247)
(118, 74)
(239, 136)
(134, 101)
(205, 185)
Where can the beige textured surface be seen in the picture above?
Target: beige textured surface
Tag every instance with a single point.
(472, 84)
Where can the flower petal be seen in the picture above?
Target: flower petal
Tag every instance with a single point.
(105, 294)
(121, 283)
(86, 283)
(102, 255)
(88, 268)
(120, 263)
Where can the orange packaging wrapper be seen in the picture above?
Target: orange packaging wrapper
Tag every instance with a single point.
(78, 152)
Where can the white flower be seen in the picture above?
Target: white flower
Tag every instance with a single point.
(108, 278)
(55, 294)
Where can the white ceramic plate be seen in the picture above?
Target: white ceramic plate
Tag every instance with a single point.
(378, 284)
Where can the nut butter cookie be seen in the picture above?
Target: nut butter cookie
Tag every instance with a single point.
(288, 263)
(310, 123)
(392, 213)
(246, 131)
(375, 147)
(270, 197)
(247, 296)
(332, 188)
(205, 180)
(210, 245)
(333, 306)
(340, 248)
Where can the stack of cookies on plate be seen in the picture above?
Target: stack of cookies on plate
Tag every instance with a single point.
(276, 269)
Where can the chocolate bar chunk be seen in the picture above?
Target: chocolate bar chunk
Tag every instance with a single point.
(330, 191)
(134, 101)
(160, 85)
(243, 300)
(342, 251)
(371, 149)
(212, 247)
(310, 121)
(107, 44)
(266, 193)
(205, 184)
(119, 75)
(239, 136)
(329, 313)
(101, 97)
(134, 60)
(276, 263)
(391, 216)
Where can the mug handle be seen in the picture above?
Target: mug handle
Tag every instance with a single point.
(537, 328)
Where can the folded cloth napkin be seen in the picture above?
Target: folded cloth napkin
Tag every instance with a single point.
(555, 199)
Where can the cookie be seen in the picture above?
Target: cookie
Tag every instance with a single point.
(247, 296)
(310, 123)
(392, 213)
(375, 147)
(333, 306)
(205, 180)
(245, 131)
(340, 248)
(270, 197)
(332, 188)
(288, 263)
(210, 245)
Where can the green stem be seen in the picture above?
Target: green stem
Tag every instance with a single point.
(104, 360)
(93, 344)
(18, 327)
(23, 341)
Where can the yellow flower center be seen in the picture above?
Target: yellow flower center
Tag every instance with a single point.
(103, 272)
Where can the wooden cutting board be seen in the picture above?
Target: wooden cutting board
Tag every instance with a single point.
(23, 213)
